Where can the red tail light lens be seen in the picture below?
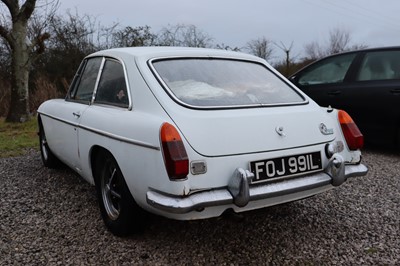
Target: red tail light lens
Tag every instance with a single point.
(353, 136)
(175, 157)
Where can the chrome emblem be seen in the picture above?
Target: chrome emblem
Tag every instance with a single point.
(279, 130)
(324, 130)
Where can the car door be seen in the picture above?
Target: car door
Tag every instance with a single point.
(70, 113)
(375, 91)
(326, 80)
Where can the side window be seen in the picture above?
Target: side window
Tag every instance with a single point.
(112, 86)
(380, 66)
(330, 70)
(86, 81)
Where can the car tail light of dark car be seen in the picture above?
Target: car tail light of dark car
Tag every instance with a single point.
(353, 136)
(175, 156)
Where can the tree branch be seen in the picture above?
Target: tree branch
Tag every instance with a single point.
(39, 43)
(27, 9)
(5, 33)
(13, 7)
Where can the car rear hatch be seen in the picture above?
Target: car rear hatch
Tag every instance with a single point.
(227, 107)
(242, 131)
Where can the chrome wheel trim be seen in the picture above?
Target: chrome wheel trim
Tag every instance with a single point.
(43, 144)
(110, 191)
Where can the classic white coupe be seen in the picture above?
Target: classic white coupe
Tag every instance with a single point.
(190, 133)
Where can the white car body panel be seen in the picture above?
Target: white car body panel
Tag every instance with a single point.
(251, 129)
(64, 126)
(224, 140)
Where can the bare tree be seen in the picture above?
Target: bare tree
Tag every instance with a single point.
(314, 51)
(339, 41)
(73, 32)
(24, 51)
(5, 59)
(261, 47)
(73, 37)
(184, 35)
(130, 37)
(105, 36)
(223, 46)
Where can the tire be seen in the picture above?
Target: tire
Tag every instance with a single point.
(120, 213)
(48, 158)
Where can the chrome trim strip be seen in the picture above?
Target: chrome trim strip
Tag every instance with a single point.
(96, 84)
(106, 134)
(59, 120)
(128, 89)
(120, 138)
(222, 196)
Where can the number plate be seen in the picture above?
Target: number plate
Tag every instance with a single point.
(286, 166)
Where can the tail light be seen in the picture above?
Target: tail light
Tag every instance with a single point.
(353, 136)
(175, 157)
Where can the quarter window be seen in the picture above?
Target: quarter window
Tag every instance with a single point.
(112, 87)
(87, 80)
(330, 70)
(382, 65)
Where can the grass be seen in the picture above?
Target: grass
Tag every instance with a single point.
(17, 138)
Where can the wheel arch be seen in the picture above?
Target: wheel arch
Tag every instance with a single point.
(39, 119)
(49, 159)
(39, 123)
(126, 216)
(95, 152)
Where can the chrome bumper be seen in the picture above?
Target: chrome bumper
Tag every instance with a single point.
(240, 192)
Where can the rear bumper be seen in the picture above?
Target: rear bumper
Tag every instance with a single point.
(240, 192)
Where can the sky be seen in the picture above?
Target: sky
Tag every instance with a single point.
(236, 22)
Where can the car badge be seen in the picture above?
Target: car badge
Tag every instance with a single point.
(279, 130)
(325, 130)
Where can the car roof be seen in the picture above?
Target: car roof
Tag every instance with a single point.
(384, 48)
(162, 51)
(373, 49)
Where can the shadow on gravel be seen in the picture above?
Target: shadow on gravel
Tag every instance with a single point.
(387, 149)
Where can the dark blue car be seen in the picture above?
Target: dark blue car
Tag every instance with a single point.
(365, 83)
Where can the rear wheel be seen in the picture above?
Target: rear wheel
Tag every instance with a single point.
(48, 158)
(119, 211)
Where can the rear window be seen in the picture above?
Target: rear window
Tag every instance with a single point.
(223, 83)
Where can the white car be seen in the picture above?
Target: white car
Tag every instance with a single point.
(190, 133)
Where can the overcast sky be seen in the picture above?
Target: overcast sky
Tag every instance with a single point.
(235, 22)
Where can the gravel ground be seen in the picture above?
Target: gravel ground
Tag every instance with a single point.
(50, 217)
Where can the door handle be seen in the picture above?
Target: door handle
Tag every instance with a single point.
(77, 114)
(334, 93)
(395, 91)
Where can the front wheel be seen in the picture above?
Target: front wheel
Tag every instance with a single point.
(119, 211)
(48, 158)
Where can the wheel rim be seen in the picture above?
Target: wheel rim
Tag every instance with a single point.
(43, 145)
(110, 190)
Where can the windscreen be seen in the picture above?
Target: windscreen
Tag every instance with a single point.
(223, 82)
